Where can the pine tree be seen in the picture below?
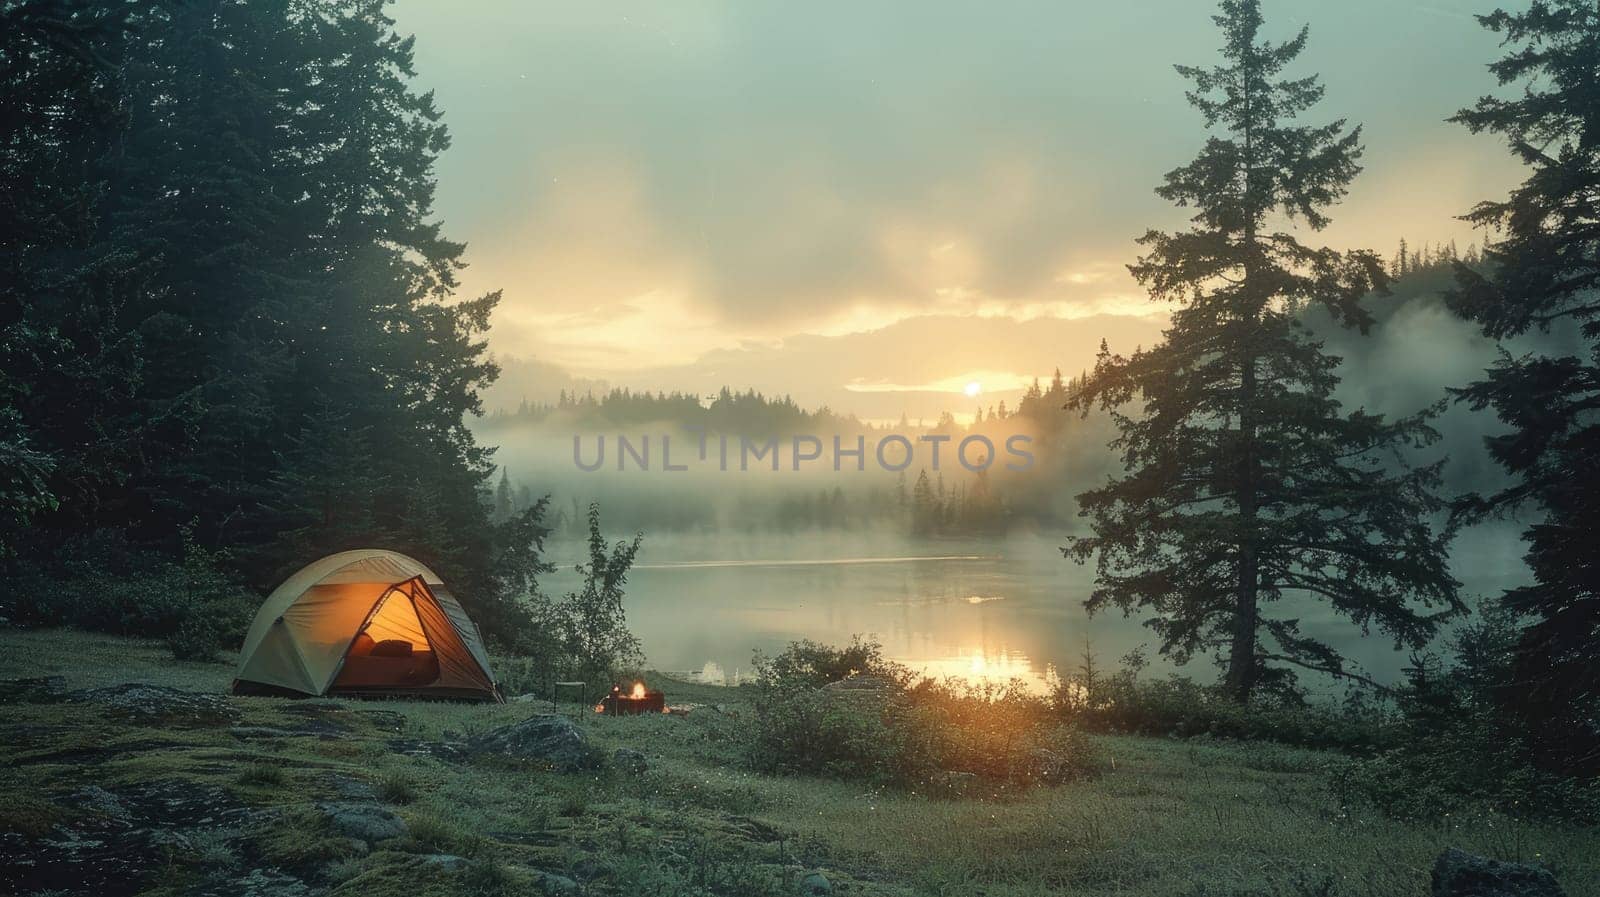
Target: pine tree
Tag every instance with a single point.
(218, 235)
(1247, 486)
(924, 510)
(70, 421)
(1543, 273)
(503, 503)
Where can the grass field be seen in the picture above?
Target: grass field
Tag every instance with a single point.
(1163, 817)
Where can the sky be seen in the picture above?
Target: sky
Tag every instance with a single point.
(874, 205)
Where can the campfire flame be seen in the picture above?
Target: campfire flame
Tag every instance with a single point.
(635, 699)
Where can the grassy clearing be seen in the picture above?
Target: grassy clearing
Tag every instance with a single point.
(1164, 817)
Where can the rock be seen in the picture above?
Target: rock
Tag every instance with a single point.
(33, 690)
(548, 737)
(331, 719)
(349, 788)
(524, 699)
(453, 751)
(121, 839)
(364, 822)
(1460, 874)
(248, 733)
(99, 801)
(178, 803)
(816, 885)
(551, 883)
(264, 883)
(446, 861)
(157, 705)
(630, 761)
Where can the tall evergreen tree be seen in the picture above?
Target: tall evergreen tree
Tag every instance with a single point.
(1542, 273)
(71, 356)
(224, 299)
(504, 505)
(1248, 487)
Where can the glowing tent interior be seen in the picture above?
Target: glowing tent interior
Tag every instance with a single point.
(368, 623)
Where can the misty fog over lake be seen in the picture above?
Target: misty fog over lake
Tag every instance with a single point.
(973, 608)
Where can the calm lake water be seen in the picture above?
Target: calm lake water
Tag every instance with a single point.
(975, 609)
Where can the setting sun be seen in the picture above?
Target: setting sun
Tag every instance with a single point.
(973, 388)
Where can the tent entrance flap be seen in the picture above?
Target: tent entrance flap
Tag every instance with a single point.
(391, 650)
(396, 619)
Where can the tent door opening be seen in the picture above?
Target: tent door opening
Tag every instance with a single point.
(392, 648)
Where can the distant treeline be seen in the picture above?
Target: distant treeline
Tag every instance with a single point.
(920, 500)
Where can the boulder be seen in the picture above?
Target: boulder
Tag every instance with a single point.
(630, 761)
(33, 690)
(364, 822)
(816, 884)
(158, 705)
(551, 883)
(1460, 874)
(548, 738)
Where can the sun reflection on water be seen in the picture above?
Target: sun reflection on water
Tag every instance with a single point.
(980, 666)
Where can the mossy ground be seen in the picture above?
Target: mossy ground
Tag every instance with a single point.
(1165, 817)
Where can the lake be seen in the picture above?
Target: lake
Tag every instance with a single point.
(968, 608)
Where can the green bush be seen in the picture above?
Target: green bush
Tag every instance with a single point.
(1456, 750)
(809, 664)
(105, 585)
(899, 730)
(1124, 702)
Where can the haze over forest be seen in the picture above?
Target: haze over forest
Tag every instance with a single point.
(724, 209)
(874, 225)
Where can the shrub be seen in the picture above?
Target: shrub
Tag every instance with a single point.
(1456, 749)
(1000, 732)
(809, 664)
(395, 788)
(261, 774)
(898, 729)
(107, 585)
(584, 634)
(1124, 702)
(808, 731)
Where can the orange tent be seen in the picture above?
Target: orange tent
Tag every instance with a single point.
(369, 623)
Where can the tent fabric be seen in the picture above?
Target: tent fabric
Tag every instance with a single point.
(301, 636)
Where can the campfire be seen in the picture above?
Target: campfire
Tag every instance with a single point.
(637, 699)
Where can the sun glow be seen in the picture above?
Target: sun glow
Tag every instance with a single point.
(973, 388)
